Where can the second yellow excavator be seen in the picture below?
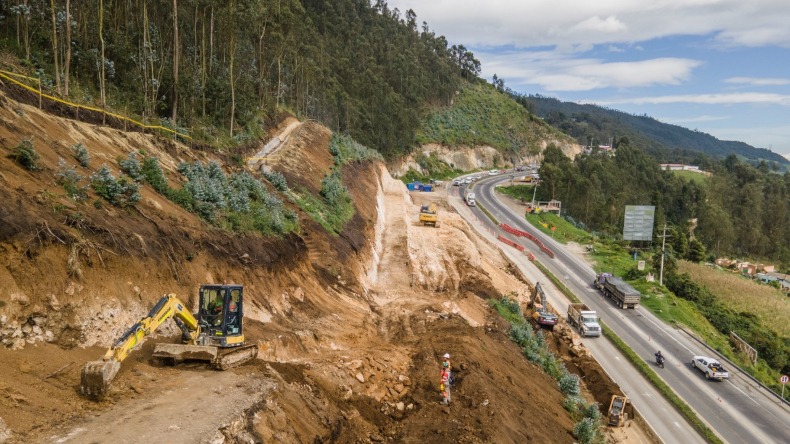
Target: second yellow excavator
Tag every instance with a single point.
(429, 215)
(213, 335)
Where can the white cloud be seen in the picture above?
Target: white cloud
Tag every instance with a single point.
(758, 81)
(706, 99)
(530, 23)
(695, 119)
(559, 72)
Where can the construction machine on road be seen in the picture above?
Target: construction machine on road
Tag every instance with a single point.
(540, 306)
(617, 410)
(213, 335)
(429, 215)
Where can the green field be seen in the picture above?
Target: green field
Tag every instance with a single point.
(769, 304)
(691, 176)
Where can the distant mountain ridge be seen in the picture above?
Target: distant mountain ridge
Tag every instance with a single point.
(595, 125)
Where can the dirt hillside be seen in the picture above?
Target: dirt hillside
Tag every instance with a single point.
(351, 327)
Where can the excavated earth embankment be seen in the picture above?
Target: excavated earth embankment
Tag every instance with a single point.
(350, 326)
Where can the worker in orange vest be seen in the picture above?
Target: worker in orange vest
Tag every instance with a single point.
(446, 380)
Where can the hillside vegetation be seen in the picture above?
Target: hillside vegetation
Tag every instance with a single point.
(358, 68)
(741, 210)
(594, 125)
(482, 115)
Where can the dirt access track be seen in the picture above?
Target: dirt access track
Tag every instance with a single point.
(351, 327)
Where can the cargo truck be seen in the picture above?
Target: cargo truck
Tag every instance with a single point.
(623, 294)
(584, 319)
(469, 198)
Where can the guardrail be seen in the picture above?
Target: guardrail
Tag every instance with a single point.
(732, 364)
(537, 241)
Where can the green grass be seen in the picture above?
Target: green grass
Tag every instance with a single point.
(641, 365)
(691, 176)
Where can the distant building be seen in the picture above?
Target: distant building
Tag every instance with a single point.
(682, 167)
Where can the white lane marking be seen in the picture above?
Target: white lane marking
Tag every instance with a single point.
(647, 318)
(744, 393)
(678, 425)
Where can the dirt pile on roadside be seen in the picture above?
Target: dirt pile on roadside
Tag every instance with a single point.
(350, 327)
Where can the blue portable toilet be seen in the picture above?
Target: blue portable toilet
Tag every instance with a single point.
(410, 186)
(427, 187)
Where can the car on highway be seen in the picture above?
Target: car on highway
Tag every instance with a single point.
(493, 172)
(711, 367)
(456, 183)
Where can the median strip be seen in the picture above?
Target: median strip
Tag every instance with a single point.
(642, 366)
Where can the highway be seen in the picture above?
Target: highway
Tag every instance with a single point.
(738, 410)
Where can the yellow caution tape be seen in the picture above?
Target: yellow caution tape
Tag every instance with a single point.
(5, 75)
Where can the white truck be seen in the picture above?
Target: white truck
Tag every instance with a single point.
(584, 319)
(469, 198)
(711, 367)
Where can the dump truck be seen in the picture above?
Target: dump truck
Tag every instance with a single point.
(584, 319)
(429, 215)
(623, 294)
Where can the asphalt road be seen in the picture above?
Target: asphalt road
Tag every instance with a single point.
(739, 410)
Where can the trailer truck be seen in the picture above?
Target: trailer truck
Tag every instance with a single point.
(623, 294)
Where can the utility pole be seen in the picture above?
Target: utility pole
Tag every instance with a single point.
(663, 244)
(534, 190)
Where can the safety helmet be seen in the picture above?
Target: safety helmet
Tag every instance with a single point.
(446, 356)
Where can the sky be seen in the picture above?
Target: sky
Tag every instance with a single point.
(717, 66)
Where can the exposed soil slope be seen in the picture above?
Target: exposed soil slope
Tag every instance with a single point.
(350, 327)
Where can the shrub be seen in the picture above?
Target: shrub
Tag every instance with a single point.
(132, 167)
(569, 384)
(81, 154)
(586, 431)
(70, 180)
(345, 150)
(153, 175)
(276, 179)
(120, 192)
(25, 155)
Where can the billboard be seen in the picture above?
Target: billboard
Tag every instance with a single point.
(638, 224)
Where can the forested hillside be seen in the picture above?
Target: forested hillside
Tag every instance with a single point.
(593, 125)
(741, 210)
(217, 70)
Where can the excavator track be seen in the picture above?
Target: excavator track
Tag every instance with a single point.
(236, 356)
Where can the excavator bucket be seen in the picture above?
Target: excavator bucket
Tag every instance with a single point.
(97, 376)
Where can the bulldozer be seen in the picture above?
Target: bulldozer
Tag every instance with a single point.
(429, 215)
(617, 414)
(214, 335)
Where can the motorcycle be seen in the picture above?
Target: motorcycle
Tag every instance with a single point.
(660, 361)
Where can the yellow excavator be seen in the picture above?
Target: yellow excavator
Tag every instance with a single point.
(213, 335)
(429, 215)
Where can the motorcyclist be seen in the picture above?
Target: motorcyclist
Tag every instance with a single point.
(659, 357)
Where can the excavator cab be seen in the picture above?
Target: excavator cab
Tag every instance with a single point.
(220, 313)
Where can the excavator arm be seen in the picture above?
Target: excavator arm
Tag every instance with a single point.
(97, 375)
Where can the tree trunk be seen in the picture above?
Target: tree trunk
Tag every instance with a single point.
(67, 62)
(203, 63)
(232, 53)
(101, 60)
(55, 45)
(175, 61)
